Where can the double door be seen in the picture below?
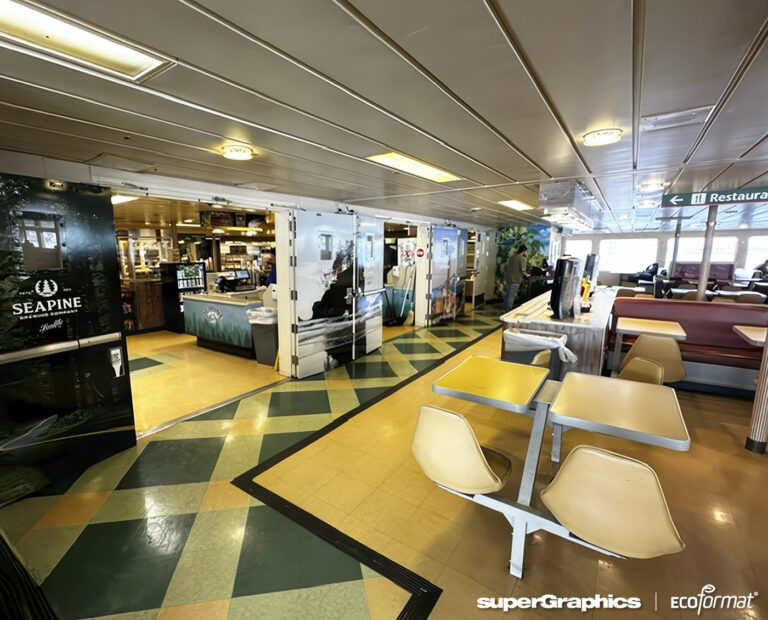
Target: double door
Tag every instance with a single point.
(447, 273)
(337, 277)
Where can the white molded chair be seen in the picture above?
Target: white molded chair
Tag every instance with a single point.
(598, 499)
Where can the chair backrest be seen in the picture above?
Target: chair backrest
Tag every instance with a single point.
(750, 298)
(447, 450)
(689, 296)
(643, 296)
(625, 292)
(686, 285)
(731, 287)
(644, 370)
(724, 300)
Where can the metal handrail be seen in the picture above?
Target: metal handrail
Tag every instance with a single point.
(56, 347)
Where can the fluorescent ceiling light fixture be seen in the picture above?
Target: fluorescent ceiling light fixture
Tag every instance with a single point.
(601, 137)
(33, 30)
(218, 231)
(237, 151)
(516, 204)
(475, 209)
(655, 186)
(647, 204)
(118, 199)
(413, 166)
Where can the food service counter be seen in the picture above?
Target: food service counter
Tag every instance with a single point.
(587, 333)
(220, 322)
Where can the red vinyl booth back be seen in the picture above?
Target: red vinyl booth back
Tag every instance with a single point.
(708, 326)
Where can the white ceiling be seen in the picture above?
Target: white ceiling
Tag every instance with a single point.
(498, 92)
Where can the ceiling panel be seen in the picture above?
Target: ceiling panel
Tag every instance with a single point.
(743, 121)
(458, 42)
(589, 77)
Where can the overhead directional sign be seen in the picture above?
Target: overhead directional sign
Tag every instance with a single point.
(719, 197)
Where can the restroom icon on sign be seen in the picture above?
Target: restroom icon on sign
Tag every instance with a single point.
(699, 199)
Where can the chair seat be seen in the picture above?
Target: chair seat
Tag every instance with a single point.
(613, 502)
(542, 358)
(499, 464)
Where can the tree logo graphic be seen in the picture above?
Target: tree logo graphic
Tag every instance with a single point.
(46, 288)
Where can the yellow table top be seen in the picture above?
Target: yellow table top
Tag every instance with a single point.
(750, 333)
(630, 409)
(493, 382)
(673, 329)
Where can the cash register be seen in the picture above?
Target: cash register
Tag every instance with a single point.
(239, 280)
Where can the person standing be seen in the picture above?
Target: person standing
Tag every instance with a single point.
(517, 270)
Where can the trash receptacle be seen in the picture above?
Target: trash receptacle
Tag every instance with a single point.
(523, 345)
(264, 332)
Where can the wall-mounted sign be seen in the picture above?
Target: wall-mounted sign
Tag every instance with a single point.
(420, 254)
(719, 197)
(43, 301)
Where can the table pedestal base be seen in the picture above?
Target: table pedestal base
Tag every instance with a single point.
(758, 447)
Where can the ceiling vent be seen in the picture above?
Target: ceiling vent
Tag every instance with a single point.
(107, 160)
(669, 120)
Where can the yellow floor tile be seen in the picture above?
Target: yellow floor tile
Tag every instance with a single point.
(211, 610)
(72, 509)
(385, 599)
(177, 389)
(222, 495)
(339, 384)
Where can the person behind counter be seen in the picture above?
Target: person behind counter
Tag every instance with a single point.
(269, 259)
(517, 270)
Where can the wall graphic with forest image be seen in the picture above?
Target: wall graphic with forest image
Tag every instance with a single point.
(535, 238)
(68, 405)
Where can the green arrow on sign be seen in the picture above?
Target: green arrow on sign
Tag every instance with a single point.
(718, 197)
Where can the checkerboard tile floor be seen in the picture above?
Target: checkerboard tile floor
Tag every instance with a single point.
(158, 531)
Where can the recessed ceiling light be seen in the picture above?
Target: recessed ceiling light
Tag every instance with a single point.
(647, 204)
(623, 217)
(515, 204)
(475, 209)
(218, 231)
(55, 184)
(32, 31)
(188, 221)
(601, 137)
(118, 199)
(237, 151)
(413, 166)
(655, 186)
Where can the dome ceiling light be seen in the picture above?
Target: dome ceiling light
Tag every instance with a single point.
(601, 137)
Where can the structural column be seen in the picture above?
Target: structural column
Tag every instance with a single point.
(675, 248)
(758, 426)
(709, 235)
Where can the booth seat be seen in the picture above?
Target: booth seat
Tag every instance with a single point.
(709, 328)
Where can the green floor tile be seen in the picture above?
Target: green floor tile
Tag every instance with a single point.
(277, 442)
(118, 567)
(140, 363)
(364, 395)
(369, 370)
(128, 504)
(448, 332)
(174, 461)
(147, 614)
(225, 412)
(278, 554)
(420, 365)
(298, 403)
(415, 347)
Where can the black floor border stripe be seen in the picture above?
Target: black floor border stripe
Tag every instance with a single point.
(424, 594)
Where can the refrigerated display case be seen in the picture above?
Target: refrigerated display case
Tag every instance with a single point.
(179, 279)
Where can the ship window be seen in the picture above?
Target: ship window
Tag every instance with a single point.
(326, 246)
